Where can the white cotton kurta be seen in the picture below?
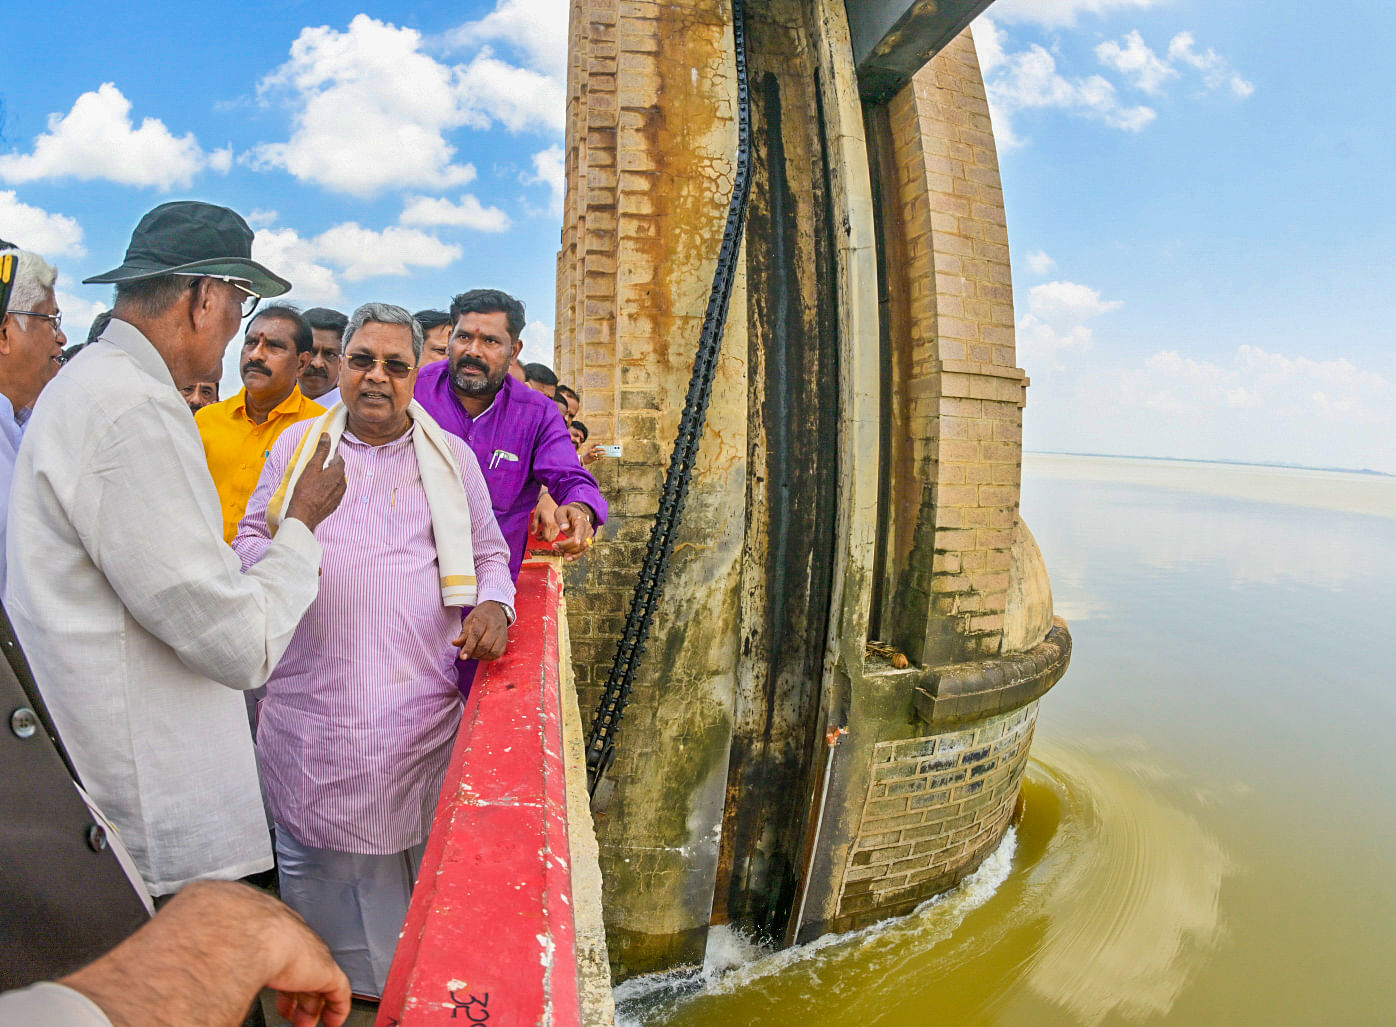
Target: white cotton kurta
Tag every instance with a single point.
(48, 1003)
(136, 617)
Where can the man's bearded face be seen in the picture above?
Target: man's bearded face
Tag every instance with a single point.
(481, 351)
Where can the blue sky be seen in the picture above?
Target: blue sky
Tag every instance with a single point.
(400, 154)
(1200, 195)
(1202, 214)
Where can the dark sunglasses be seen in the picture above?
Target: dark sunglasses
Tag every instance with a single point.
(392, 365)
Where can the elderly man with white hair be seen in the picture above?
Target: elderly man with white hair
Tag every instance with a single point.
(31, 351)
(355, 732)
(137, 618)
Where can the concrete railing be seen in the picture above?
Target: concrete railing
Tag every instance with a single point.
(505, 923)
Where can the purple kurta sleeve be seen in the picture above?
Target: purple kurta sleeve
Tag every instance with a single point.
(557, 465)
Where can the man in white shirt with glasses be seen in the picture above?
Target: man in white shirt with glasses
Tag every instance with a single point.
(137, 619)
(31, 351)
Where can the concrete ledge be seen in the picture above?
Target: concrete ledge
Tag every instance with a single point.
(963, 692)
(503, 924)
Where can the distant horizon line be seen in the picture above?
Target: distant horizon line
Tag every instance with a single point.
(1198, 460)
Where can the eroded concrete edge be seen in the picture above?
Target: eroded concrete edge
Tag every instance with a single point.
(593, 962)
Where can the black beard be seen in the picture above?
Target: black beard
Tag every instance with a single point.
(486, 386)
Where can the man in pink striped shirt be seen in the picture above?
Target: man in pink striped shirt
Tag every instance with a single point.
(356, 729)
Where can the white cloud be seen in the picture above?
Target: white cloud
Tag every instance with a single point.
(1172, 367)
(1147, 71)
(537, 344)
(363, 252)
(315, 265)
(550, 169)
(1136, 62)
(1029, 80)
(1042, 345)
(469, 212)
(31, 228)
(1216, 70)
(298, 261)
(1249, 404)
(221, 160)
(1068, 302)
(98, 140)
(1056, 323)
(1242, 397)
(78, 314)
(1061, 13)
(373, 110)
(988, 44)
(1289, 390)
(1354, 390)
(538, 27)
(1040, 263)
(521, 98)
(370, 110)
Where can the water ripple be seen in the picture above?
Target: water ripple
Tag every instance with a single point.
(1131, 889)
(1101, 905)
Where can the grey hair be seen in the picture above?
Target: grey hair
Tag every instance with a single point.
(152, 297)
(386, 314)
(34, 276)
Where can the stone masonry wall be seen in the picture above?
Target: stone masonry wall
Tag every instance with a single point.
(651, 158)
(586, 289)
(965, 394)
(650, 144)
(935, 807)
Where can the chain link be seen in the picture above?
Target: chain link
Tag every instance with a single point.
(650, 587)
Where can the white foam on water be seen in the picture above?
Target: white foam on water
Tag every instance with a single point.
(733, 960)
(729, 948)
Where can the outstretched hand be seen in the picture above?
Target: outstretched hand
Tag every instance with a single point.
(575, 520)
(207, 954)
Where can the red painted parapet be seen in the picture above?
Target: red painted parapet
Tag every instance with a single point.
(491, 937)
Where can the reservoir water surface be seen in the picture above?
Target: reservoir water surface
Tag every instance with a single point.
(1208, 835)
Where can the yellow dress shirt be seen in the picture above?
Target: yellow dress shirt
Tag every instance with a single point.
(237, 449)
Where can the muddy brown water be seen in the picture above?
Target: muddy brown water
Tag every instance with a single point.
(1208, 835)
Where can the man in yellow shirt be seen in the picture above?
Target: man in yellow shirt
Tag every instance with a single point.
(238, 433)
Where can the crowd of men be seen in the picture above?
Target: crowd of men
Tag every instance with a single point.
(318, 562)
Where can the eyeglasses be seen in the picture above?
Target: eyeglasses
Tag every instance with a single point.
(57, 319)
(250, 299)
(395, 368)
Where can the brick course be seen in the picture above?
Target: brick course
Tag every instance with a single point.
(936, 806)
(965, 394)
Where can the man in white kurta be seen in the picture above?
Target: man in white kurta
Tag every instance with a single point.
(136, 617)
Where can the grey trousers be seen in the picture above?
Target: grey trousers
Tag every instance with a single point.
(356, 903)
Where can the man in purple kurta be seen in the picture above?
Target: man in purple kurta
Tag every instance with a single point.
(518, 435)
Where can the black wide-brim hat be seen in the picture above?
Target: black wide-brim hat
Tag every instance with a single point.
(189, 237)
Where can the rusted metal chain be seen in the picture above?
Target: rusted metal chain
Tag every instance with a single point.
(650, 587)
